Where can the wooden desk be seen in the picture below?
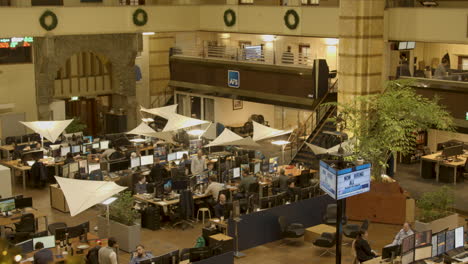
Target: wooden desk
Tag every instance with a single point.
(15, 165)
(313, 232)
(221, 224)
(439, 161)
(4, 221)
(165, 203)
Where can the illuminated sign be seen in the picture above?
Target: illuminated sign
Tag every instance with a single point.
(15, 42)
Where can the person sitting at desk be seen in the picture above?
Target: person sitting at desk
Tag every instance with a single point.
(184, 162)
(220, 209)
(198, 164)
(106, 154)
(140, 254)
(362, 247)
(247, 180)
(404, 232)
(39, 147)
(69, 158)
(140, 186)
(44, 255)
(16, 151)
(214, 187)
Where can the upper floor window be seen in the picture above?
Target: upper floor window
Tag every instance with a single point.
(132, 2)
(246, 2)
(310, 2)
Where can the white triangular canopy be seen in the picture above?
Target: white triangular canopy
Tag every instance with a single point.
(229, 138)
(210, 132)
(261, 132)
(82, 194)
(316, 149)
(164, 111)
(144, 130)
(176, 122)
(50, 130)
(346, 145)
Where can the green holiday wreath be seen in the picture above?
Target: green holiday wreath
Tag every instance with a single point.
(296, 19)
(53, 24)
(136, 17)
(232, 21)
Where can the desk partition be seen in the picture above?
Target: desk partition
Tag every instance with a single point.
(262, 227)
(226, 258)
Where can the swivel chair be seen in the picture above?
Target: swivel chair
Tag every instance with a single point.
(293, 230)
(327, 241)
(329, 217)
(352, 230)
(24, 229)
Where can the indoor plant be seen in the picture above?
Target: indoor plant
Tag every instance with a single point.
(76, 126)
(435, 210)
(123, 222)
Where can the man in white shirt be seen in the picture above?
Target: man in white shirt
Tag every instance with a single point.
(107, 254)
(198, 164)
(214, 187)
(404, 232)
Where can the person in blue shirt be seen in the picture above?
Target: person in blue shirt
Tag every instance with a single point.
(43, 255)
(140, 187)
(140, 254)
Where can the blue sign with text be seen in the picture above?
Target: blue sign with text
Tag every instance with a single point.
(233, 79)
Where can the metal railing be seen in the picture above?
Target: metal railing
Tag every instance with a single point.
(162, 98)
(250, 54)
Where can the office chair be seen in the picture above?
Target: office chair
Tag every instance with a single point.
(54, 226)
(24, 229)
(293, 230)
(184, 254)
(329, 217)
(275, 187)
(327, 241)
(185, 210)
(352, 230)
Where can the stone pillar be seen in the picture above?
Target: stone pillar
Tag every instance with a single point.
(361, 45)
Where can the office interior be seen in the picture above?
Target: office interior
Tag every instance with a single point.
(146, 107)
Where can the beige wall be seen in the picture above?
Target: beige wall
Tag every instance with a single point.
(225, 115)
(143, 86)
(17, 83)
(437, 136)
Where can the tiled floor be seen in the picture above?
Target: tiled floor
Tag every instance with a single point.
(165, 240)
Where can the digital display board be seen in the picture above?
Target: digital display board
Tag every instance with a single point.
(328, 179)
(340, 184)
(15, 42)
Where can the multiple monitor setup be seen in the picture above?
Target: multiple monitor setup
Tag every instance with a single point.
(28, 245)
(169, 258)
(141, 161)
(85, 148)
(71, 232)
(12, 203)
(452, 151)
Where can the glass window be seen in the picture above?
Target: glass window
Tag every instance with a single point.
(183, 105)
(195, 107)
(208, 111)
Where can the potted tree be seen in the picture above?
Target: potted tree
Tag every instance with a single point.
(76, 126)
(435, 211)
(381, 125)
(123, 222)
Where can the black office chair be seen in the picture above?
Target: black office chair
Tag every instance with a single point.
(352, 230)
(184, 254)
(275, 187)
(54, 226)
(329, 217)
(293, 230)
(24, 230)
(327, 241)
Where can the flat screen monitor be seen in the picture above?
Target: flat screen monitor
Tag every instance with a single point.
(147, 160)
(23, 202)
(64, 151)
(407, 244)
(459, 237)
(353, 181)
(410, 45)
(134, 162)
(257, 167)
(88, 139)
(48, 241)
(388, 250)
(273, 164)
(96, 145)
(93, 166)
(104, 144)
(452, 151)
(171, 156)
(236, 173)
(76, 149)
(167, 186)
(7, 204)
(434, 245)
(119, 165)
(402, 45)
(421, 253)
(423, 238)
(449, 240)
(78, 230)
(408, 257)
(180, 154)
(440, 243)
(26, 246)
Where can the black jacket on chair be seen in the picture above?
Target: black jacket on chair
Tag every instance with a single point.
(39, 173)
(363, 250)
(186, 204)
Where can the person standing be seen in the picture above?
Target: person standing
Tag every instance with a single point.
(198, 164)
(402, 234)
(107, 254)
(44, 255)
(362, 247)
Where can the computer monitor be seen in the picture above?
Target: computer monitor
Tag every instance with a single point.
(408, 257)
(407, 244)
(64, 151)
(236, 173)
(197, 254)
(423, 252)
(48, 241)
(147, 160)
(257, 167)
(119, 165)
(273, 165)
(135, 162)
(171, 156)
(96, 145)
(402, 45)
(88, 139)
(434, 245)
(93, 166)
(7, 204)
(78, 230)
(388, 250)
(449, 240)
(441, 243)
(23, 202)
(459, 237)
(180, 154)
(423, 238)
(410, 45)
(452, 151)
(167, 186)
(104, 144)
(26, 246)
(76, 149)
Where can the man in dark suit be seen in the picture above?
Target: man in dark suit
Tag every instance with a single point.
(362, 247)
(44, 255)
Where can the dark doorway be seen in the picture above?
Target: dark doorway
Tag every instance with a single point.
(90, 111)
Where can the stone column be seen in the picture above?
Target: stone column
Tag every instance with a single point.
(361, 47)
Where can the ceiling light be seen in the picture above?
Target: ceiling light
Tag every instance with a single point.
(148, 33)
(332, 41)
(224, 35)
(268, 38)
(280, 142)
(428, 3)
(74, 98)
(109, 200)
(137, 140)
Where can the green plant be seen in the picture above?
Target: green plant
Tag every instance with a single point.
(122, 210)
(76, 126)
(386, 123)
(436, 205)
